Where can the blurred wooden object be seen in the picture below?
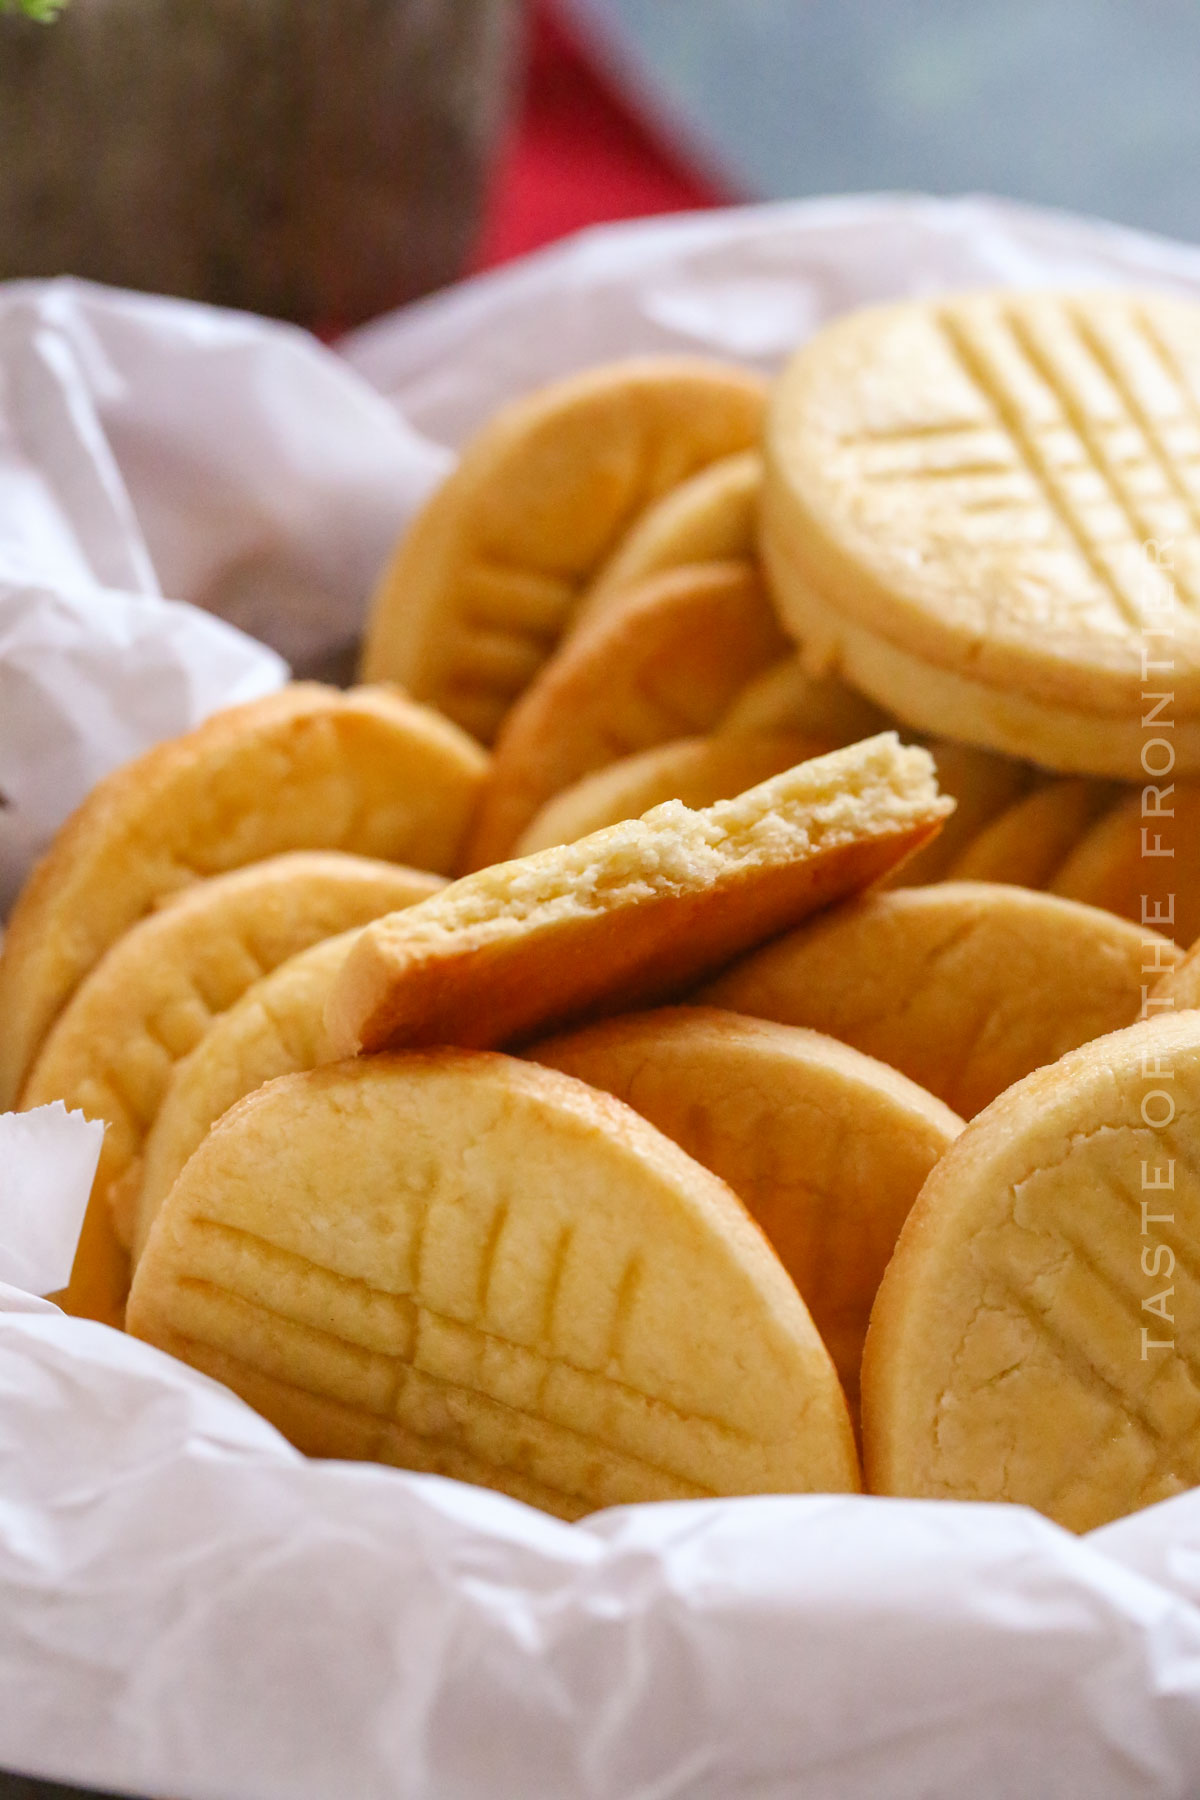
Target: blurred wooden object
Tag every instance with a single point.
(320, 160)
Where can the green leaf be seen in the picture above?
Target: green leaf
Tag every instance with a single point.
(45, 10)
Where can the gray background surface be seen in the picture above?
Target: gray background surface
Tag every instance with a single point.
(1088, 104)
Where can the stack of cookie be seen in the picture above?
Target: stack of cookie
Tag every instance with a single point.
(584, 1175)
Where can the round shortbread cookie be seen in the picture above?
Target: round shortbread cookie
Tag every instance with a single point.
(1036, 1333)
(487, 577)
(470, 1265)
(153, 995)
(1029, 842)
(662, 662)
(632, 914)
(965, 987)
(1142, 865)
(276, 1028)
(826, 1148)
(711, 517)
(785, 698)
(304, 769)
(982, 786)
(697, 771)
(981, 507)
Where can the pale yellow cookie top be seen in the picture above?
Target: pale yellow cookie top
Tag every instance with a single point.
(486, 579)
(307, 768)
(633, 913)
(710, 517)
(1036, 1333)
(276, 1028)
(826, 1148)
(964, 986)
(996, 482)
(664, 660)
(467, 1264)
(697, 770)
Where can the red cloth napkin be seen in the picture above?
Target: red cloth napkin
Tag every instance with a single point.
(579, 153)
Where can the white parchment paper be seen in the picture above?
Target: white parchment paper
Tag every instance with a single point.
(48, 1158)
(187, 1607)
(151, 449)
(749, 283)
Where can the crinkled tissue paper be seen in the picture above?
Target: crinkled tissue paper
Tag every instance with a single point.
(188, 1607)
